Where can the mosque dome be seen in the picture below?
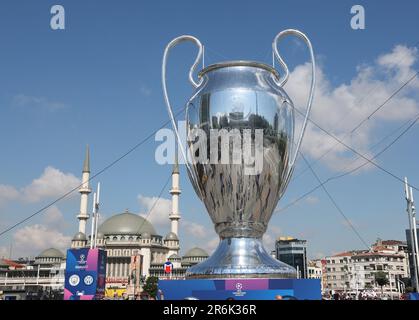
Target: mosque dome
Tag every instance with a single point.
(171, 236)
(79, 236)
(146, 235)
(126, 223)
(51, 253)
(196, 252)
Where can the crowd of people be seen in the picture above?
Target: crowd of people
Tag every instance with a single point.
(360, 295)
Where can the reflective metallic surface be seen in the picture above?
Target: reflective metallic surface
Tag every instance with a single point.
(241, 258)
(238, 97)
(242, 97)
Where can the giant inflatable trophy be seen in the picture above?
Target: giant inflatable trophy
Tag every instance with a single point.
(241, 95)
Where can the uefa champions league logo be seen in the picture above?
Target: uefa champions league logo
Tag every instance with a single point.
(82, 259)
(239, 292)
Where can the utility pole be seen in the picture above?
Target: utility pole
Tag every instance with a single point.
(95, 218)
(97, 212)
(413, 233)
(92, 232)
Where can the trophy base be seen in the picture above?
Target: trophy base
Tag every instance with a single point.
(241, 258)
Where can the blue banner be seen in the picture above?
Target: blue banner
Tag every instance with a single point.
(85, 274)
(241, 289)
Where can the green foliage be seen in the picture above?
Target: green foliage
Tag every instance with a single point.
(150, 286)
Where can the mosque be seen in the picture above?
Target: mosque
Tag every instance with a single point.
(131, 241)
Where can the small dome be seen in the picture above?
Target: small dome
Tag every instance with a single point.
(51, 253)
(79, 236)
(126, 223)
(100, 235)
(174, 256)
(171, 236)
(196, 252)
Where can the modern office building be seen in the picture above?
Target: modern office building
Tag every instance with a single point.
(293, 252)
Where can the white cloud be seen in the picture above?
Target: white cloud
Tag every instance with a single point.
(312, 200)
(52, 183)
(399, 61)
(195, 229)
(270, 237)
(160, 210)
(22, 100)
(7, 193)
(31, 240)
(54, 219)
(339, 109)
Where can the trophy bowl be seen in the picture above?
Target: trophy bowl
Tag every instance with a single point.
(240, 156)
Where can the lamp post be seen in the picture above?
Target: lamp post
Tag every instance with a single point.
(389, 282)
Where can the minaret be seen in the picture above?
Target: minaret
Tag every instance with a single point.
(175, 192)
(84, 191)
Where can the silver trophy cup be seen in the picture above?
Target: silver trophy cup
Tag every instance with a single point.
(240, 97)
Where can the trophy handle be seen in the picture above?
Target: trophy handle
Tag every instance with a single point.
(284, 79)
(195, 84)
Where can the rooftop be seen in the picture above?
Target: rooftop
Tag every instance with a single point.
(378, 254)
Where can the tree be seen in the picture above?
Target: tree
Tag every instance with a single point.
(381, 279)
(150, 286)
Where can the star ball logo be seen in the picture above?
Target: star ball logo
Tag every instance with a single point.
(82, 259)
(239, 292)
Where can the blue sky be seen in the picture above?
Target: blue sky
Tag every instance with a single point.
(98, 82)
